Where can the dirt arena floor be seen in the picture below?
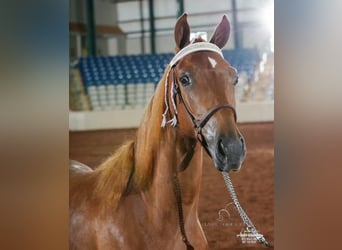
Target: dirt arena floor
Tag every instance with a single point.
(220, 221)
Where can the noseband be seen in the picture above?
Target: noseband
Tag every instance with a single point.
(175, 91)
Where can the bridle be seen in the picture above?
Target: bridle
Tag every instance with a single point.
(198, 124)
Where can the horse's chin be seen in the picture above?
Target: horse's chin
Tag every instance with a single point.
(227, 168)
(223, 165)
(227, 155)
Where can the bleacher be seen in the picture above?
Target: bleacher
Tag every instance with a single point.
(121, 82)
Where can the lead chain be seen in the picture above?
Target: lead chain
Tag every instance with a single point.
(250, 227)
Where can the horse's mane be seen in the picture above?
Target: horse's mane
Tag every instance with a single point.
(132, 164)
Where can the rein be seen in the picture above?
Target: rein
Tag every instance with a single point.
(177, 191)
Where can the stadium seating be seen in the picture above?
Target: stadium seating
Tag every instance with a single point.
(119, 82)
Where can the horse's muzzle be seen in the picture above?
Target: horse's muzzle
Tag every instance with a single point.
(228, 153)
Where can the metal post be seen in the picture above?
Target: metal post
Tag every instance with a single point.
(180, 7)
(142, 39)
(91, 36)
(237, 38)
(152, 26)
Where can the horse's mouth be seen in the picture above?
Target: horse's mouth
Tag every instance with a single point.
(226, 161)
(224, 164)
(228, 153)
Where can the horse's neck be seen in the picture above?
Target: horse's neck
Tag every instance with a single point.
(174, 152)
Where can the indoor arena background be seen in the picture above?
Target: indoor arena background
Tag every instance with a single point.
(118, 52)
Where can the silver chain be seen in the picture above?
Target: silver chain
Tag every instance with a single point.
(250, 227)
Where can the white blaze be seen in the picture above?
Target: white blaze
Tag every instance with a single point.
(212, 62)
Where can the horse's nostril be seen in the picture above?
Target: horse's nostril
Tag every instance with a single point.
(220, 147)
(242, 142)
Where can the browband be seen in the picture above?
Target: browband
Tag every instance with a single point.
(194, 47)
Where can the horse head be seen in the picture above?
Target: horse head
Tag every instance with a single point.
(200, 94)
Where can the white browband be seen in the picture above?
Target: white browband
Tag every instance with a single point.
(192, 47)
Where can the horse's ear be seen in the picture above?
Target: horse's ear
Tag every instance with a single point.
(221, 34)
(182, 32)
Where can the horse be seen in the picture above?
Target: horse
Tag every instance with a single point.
(146, 194)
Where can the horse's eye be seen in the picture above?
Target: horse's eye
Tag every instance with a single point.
(236, 81)
(185, 80)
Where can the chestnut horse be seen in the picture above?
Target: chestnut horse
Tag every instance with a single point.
(132, 200)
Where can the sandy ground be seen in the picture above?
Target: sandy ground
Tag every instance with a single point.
(254, 183)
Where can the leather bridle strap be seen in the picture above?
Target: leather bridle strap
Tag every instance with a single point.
(212, 111)
(177, 191)
(203, 122)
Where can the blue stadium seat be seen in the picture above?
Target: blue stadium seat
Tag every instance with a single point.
(149, 68)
